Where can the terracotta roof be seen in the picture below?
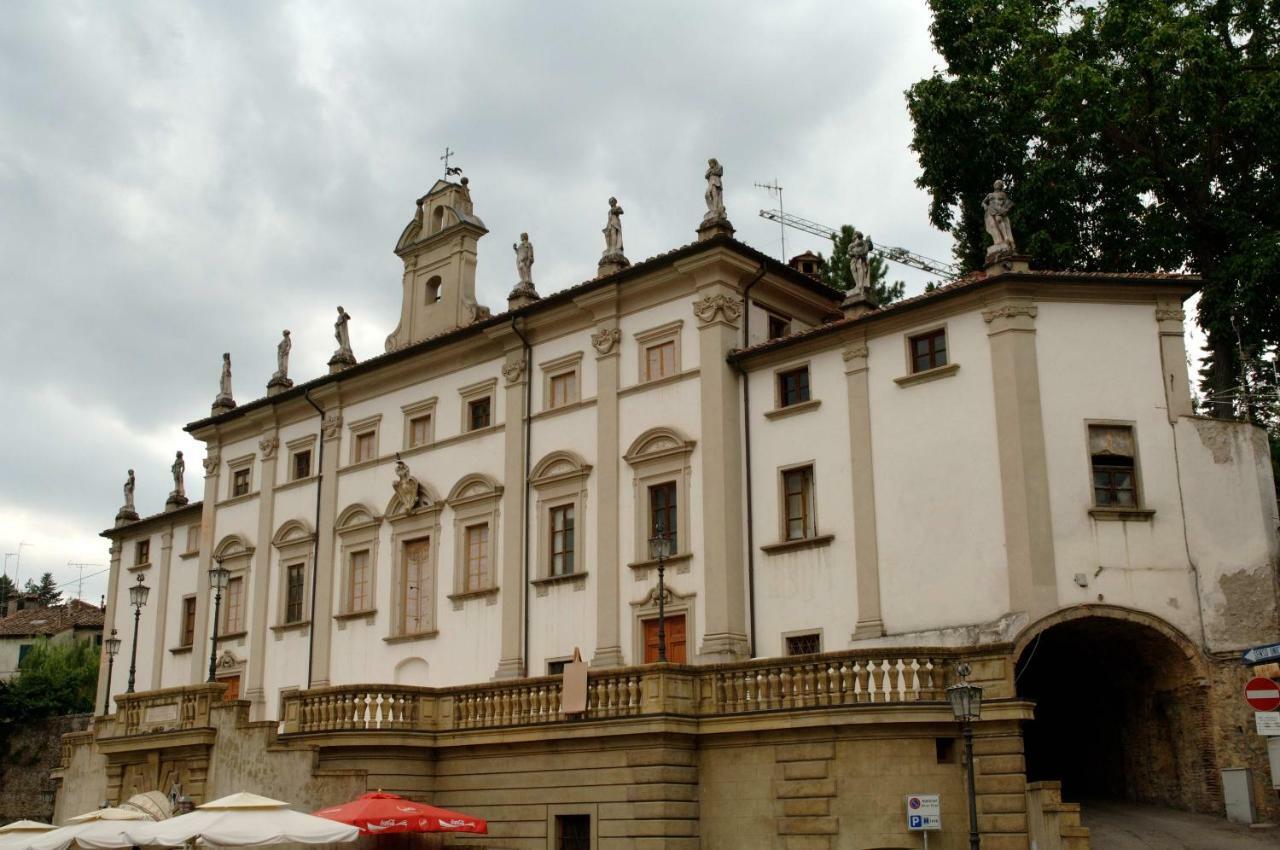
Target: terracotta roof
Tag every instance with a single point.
(965, 283)
(33, 622)
(638, 269)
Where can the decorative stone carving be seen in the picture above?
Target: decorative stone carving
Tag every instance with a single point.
(408, 489)
(855, 352)
(614, 259)
(996, 207)
(127, 512)
(331, 425)
(524, 291)
(344, 357)
(1009, 311)
(709, 307)
(280, 378)
(606, 339)
(1170, 314)
(212, 459)
(513, 369)
(224, 401)
(178, 497)
(268, 445)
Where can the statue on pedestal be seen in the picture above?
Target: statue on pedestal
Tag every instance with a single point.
(280, 378)
(860, 265)
(178, 497)
(714, 195)
(344, 356)
(613, 259)
(127, 512)
(224, 401)
(524, 291)
(996, 207)
(408, 491)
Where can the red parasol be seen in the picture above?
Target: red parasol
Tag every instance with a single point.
(377, 813)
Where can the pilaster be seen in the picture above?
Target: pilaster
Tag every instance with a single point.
(260, 595)
(1024, 475)
(322, 613)
(161, 601)
(513, 593)
(1173, 357)
(866, 550)
(718, 309)
(109, 618)
(608, 452)
(208, 529)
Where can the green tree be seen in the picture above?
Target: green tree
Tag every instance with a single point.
(835, 272)
(1133, 134)
(7, 590)
(54, 679)
(46, 591)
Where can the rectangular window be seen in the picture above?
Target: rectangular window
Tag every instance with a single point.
(573, 832)
(365, 446)
(478, 414)
(193, 538)
(233, 606)
(556, 668)
(188, 621)
(419, 430)
(240, 482)
(295, 582)
(662, 513)
(477, 554)
(778, 327)
(142, 552)
(301, 465)
(414, 591)
(564, 389)
(1111, 453)
(660, 360)
(797, 494)
(23, 651)
(358, 582)
(793, 386)
(928, 350)
(804, 644)
(562, 540)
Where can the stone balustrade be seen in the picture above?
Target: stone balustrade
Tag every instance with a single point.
(788, 683)
(166, 710)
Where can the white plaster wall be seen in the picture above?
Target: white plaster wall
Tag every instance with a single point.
(122, 617)
(183, 580)
(653, 317)
(578, 342)
(939, 519)
(809, 589)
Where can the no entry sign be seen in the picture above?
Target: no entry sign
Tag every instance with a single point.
(1262, 694)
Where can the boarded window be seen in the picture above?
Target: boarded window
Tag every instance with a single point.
(419, 430)
(1111, 455)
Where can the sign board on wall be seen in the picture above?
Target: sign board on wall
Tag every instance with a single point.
(924, 812)
(1268, 722)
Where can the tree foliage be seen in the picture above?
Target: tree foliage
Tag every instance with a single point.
(7, 590)
(1134, 135)
(836, 273)
(54, 679)
(46, 592)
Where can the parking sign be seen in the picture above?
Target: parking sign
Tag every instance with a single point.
(924, 812)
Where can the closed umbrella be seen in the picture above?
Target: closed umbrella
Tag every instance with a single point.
(242, 820)
(377, 813)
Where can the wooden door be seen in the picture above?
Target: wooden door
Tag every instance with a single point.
(233, 687)
(675, 640)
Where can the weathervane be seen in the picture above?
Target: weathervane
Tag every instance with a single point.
(449, 172)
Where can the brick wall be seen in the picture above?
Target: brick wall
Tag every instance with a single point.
(26, 791)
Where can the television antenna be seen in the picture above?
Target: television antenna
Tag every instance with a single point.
(774, 189)
(886, 252)
(80, 580)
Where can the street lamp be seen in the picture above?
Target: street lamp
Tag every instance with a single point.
(660, 550)
(137, 598)
(218, 578)
(113, 647)
(966, 705)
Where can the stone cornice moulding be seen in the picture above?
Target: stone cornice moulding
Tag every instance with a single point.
(1009, 311)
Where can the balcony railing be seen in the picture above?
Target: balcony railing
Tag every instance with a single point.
(778, 684)
(165, 710)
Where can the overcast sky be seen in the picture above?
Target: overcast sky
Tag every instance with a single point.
(181, 180)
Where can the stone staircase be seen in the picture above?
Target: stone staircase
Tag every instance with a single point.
(1051, 823)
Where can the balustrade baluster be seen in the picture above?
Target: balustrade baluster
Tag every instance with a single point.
(915, 679)
(611, 694)
(928, 677)
(886, 686)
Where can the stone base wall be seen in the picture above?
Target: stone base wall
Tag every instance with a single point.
(1229, 723)
(34, 751)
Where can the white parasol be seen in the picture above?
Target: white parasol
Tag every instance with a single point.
(97, 825)
(240, 820)
(19, 833)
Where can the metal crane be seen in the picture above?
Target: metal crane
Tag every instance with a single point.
(887, 252)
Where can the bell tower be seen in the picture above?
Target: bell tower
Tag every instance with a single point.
(438, 248)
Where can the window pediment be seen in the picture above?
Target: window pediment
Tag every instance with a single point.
(232, 546)
(474, 488)
(559, 466)
(291, 533)
(355, 518)
(658, 443)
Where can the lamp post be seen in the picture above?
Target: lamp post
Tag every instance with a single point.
(218, 578)
(966, 705)
(137, 598)
(660, 550)
(112, 645)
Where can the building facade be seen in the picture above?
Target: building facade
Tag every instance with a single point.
(1006, 470)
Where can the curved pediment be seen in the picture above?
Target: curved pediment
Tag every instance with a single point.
(658, 442)
(477, 485)
(356, 516)
(292, 531)
(558, 465)
(232, 546)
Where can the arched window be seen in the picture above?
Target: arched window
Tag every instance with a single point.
(433, 289)
(437, 219)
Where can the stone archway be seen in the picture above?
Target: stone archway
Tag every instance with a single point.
(1122, 708)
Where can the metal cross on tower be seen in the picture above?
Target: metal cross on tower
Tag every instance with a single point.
(449, 171)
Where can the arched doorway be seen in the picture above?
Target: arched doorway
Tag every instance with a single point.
(1121, 708)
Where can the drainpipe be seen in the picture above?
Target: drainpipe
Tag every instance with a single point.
(315, 552)
(746, 440)
(524, 504)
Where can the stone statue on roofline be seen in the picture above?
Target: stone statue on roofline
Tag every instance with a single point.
(613, 259)
(715, 222)
(178, 497)
(996, 207)
(524, 292)
(127, 512)
(860, 265)
(344, 357)
(224, 401)
(280, 378)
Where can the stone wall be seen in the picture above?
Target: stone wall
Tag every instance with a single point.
(35, 750)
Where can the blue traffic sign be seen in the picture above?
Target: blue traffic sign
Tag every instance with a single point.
(1262, 654)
